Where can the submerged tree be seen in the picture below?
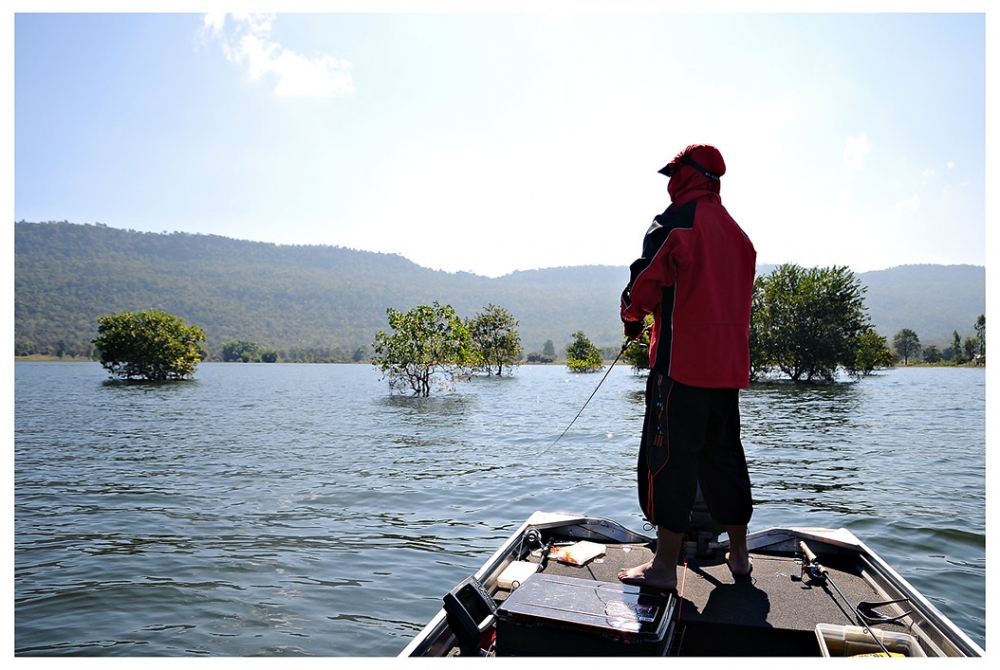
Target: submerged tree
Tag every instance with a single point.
(495, 337)
(871, 353)
(151, 345)
(637, 353)
(759, 356)
(806, 322)
(427, 343)
(582, 355)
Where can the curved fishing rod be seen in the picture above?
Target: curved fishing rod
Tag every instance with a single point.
(624, 347)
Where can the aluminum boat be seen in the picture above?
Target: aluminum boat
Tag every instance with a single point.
(552, 589)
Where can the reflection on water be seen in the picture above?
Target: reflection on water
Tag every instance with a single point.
(303, 510)
(804, 449)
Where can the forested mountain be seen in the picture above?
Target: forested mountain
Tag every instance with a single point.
(296, 299)
(322, 302)
(932, 300)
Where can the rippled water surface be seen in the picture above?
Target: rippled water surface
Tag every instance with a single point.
(301, 510)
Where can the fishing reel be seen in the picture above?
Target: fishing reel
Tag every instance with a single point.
(810, 569)
(533, 539)
(866, 612)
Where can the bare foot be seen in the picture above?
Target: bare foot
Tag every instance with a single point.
(740, 566)
(650, 576)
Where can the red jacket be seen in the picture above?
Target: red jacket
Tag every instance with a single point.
(696, 277)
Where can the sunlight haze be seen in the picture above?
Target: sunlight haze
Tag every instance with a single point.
(498, 142)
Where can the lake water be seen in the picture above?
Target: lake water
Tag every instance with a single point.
(302, 510)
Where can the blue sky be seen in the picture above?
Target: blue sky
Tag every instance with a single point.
(501, 141)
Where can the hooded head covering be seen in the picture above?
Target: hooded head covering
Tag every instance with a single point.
(697, 167)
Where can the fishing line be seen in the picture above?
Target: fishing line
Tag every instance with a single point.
(624, 347)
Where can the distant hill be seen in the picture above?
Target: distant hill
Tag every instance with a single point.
(291, 298)
(932, 300)
(326, 302)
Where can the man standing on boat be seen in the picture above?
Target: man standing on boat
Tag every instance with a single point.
(695, 276)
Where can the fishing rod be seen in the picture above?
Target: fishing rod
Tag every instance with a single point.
(624, 347)
(819, 572)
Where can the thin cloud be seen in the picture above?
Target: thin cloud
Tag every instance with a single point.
(910, 204)
(245, 39)
(856, 150)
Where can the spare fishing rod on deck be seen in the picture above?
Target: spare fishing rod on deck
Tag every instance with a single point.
(628, 341)
(820, 573)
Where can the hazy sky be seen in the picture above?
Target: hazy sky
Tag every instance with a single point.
(495, 142)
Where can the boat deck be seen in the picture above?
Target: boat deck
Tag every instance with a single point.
(774, 610)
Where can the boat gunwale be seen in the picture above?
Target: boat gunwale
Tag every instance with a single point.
(881, 575)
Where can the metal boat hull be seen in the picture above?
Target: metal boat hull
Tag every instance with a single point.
(782, 610)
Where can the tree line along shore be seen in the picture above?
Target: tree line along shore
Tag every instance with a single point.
(323, 304)
(807, 325)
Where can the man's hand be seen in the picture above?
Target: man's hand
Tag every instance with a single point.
(633, 329)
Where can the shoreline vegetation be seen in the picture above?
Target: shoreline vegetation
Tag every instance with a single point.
(319, 304)
(44, 358)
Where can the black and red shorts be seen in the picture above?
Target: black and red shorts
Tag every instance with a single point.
(692, 435)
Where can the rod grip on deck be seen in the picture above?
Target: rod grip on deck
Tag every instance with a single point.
(811, 557)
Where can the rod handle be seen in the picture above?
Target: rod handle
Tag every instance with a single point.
(811, 557)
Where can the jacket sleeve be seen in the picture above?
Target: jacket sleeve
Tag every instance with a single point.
(638, 265)
(649, 276)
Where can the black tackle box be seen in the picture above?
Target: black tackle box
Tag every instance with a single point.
(553, 615)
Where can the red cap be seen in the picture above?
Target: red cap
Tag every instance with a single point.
(704, 158)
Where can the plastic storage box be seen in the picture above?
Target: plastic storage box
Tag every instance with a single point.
(842, 641)
(516, 574)
(552, 615)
